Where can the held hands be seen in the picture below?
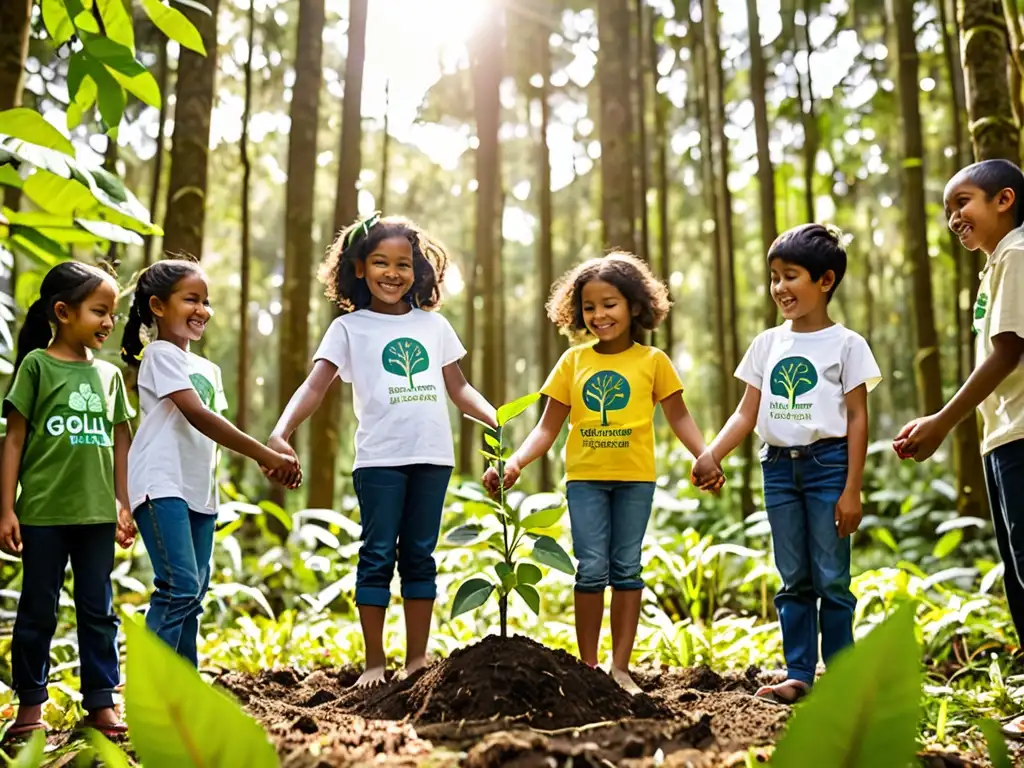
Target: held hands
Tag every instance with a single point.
(920, 438)
(10, 532)
(706, 473)
(126, 530)
(848, 512)
(284, 467)
(512, 472)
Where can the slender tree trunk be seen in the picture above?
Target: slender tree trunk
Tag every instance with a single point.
(299, 198)
(643, 179)
(467, 439)
(486, 64)
(325, 437)
(765, 171)
(385, 160)
(808, 119)
(927, 368)
(994, 131)
(616, 125)
(15, 24)
(162, 78)
(661, 181)
(245, 269)
(185, 218)
(545, 252)
(500, 303)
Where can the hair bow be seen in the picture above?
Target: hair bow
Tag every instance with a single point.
(361, 229)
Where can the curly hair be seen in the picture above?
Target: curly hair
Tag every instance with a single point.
(338, 270)
(646, 295)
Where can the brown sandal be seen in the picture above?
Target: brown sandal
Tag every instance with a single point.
(774, 693)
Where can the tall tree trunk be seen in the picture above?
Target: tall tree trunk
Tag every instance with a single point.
(765, 171)
(545, 252)
(915, 237)
(162, 78)
(486, 64)
(661, 181)
(808, 119)
(15, 24)
(643, 180)
(325, 431)
(299, 199)
(385, 151)
(467, 439)
(185, 218)
(994, 131)
(616, 124)
(245, 270)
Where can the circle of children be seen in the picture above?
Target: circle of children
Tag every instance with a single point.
(807, 382)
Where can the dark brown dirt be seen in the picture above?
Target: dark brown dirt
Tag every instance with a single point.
(511, 702)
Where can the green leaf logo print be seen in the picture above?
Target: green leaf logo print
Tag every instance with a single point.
(204, 389)
(981, 306)
(606, 391)
(405, 357)
(85, 400)
(793, 376)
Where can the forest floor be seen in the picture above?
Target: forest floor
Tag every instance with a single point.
(514, 702)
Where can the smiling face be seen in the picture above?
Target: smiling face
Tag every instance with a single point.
(795, 293)
(606, 312)
(183, 317)
(978, 220)
(389, 274)
(90, 323)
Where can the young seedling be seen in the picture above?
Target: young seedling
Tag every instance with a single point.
(511, 576)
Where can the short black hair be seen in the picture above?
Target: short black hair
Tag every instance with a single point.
(818, 248)
(991, 177)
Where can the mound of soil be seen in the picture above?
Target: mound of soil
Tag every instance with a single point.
(514, 678)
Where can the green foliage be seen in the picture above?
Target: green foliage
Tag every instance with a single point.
(863, 712)
(997, 751)
(176, 720)
(173, 23)
(31, 755)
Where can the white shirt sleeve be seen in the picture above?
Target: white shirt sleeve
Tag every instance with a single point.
(1007, 301)
(168, 368)
(335, 349)
(220, 398)
(751, 367)
(451, 347)
(859, 365)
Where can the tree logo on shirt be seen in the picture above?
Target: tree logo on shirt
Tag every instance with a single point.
(87, 424)
(606, 391)
(792, 377)
(405, 357)
(980, 310)
(203, 387)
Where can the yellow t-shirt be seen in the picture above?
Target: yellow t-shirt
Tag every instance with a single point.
(611, 400)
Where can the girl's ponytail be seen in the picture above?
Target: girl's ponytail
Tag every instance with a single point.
(131, 341)
(35, 333)
(159, 280)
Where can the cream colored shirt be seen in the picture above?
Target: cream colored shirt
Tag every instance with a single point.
(1000, 309)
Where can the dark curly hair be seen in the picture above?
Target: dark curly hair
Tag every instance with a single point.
(629, 274)
(159, 279)
(358, 241)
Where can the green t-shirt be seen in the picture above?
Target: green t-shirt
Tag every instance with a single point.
(67, 466)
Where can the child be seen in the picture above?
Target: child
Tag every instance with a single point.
(171, 464)
(385, 274)
(984, 208)
(807, 383)
(608, 389)
(67, 439)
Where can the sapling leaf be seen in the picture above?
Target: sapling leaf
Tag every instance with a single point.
(549, 552)
(997, 751)
(471, 595)
(530, 596)
(506, 575)
(528, 573)
(543, 518)
(464, 534)
(509, 411)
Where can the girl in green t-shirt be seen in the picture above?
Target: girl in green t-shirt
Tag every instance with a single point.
(67, 441)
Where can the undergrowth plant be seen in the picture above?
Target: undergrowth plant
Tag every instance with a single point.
(518, 523)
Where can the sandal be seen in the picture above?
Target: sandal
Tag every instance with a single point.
(1014, 729)
(786, 693)
(20, 730)
(110, 730)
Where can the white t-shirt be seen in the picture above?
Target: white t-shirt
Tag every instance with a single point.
(170, 458)
(1000, 309)
(394, 364)
(804, 379)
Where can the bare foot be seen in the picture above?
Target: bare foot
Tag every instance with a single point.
(372, 676)
(413, 666)
(625, 682)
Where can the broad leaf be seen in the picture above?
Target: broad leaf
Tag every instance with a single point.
(528, 573)
(56, 195)
(509, 411)
(949, 542)
(331, 517)
(530, 596)
(194, 5)
(492, 442)
(463, 535)
(864, 710)
(107, 751)
(31, 755)
(120, 63)
(276, 512)
(543, 518)
(506, 575)
(549, 552)
(116, 22)
(997, 752)
(41, 249)
(173, 23)
(174, 718)
(28, 125)
(57, 21)
(471, 595)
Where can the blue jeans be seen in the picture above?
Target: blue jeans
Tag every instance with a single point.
(400, 510)
(801, 488)
(608, 521)
(1004, 472)
(45, 552)
(180, 545)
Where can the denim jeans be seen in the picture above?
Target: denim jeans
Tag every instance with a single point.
(801, 488)
(608, 521)
(180, 545)
(45, 552)
(1004, 472)
(400, 510)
